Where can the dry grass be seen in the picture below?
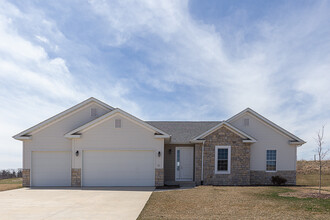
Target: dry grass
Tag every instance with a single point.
(210, 202)
(307, 173)
(312, 179)
(8, 184)
(312, 167)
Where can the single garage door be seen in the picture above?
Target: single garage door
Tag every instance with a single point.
(51, 168)
(118, 168)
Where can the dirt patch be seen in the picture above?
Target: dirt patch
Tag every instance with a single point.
(307, 193)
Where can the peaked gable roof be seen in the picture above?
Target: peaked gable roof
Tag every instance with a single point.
(296, 140)
(246, 137)
(182, 132)
(76, 133)
(25, 134)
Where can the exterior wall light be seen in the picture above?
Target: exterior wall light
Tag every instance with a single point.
(159, 153)
(77, 153)
(170, 151)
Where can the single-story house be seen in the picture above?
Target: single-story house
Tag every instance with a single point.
(94, 144)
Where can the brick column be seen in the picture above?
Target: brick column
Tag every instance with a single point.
(159, 177)
(76, 177)
(26, 177)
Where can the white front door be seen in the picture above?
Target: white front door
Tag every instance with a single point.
(184, 163)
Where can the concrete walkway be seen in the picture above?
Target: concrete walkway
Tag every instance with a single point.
(69, 203)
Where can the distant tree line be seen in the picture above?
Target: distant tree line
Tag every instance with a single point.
(10, 173)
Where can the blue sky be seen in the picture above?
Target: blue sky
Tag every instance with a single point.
(165, 60)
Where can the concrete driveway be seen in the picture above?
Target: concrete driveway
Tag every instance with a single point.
(86, 203)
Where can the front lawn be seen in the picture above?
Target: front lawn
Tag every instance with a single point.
(216, 202)
(7, 184)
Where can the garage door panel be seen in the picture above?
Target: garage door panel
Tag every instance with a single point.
(118, 168)
(51, 168)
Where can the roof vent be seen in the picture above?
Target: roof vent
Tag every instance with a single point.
(246, 122)
(118, 123)
(93, 112)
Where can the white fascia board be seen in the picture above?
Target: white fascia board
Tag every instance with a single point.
(296, 143)
(159, 136)
(228, 126)
(249, 141)
(73, 136)
(61, 115)
(266, 122)
(197, 141)
(22, 138)
(111, 114)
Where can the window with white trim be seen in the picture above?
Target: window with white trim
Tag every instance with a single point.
(271, 160)
(222, 159)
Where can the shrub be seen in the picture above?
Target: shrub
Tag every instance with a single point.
(278, 180)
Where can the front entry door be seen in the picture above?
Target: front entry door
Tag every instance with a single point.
(184, 163)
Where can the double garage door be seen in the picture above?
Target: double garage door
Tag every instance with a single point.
(99, 168)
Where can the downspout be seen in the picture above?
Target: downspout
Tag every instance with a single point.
(202, 171)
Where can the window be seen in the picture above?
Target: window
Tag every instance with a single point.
(222, 159)
(246, 122)
(117, 123)
(93, 112)
(271, 160)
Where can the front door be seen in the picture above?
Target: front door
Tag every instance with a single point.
(184, 163)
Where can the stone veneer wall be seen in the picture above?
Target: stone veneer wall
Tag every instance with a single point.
(159, 177)
(264, 178)
(26, 177)
(75, 177)
(240, 159)
(198, 163)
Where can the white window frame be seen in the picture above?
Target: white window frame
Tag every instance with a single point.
(216, 160)
(271, 160)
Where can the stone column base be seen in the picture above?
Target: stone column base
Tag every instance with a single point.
(76, 177)
(159, 177)
(26, 177)
(265, 178)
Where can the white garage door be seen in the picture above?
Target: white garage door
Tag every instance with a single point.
(51, 168)
(118, 168)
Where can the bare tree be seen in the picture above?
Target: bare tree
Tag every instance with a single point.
(322, 152)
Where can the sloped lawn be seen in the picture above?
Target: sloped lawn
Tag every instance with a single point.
(8, 184)
(212, 202)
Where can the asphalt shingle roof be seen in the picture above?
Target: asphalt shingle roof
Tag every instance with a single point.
(183, 131)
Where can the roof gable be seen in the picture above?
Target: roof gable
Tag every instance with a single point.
(296, 140)
(182, 132)
(26, 133)
(246, 137)
(76, 133)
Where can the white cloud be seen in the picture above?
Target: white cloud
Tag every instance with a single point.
(282, 73)
(42, 39)
(33, 85)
